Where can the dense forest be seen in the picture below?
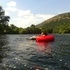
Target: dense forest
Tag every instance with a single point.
(58, 24)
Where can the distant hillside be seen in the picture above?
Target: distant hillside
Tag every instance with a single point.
(57, 24)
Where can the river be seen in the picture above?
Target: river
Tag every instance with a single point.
(19, 53)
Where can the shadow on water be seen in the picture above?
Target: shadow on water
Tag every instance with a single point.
(3, 47)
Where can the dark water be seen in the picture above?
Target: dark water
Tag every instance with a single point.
(19, 53)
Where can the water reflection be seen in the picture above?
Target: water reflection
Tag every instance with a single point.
(43, 58)
(44, 47)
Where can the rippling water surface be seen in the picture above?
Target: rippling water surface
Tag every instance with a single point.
(19, 53)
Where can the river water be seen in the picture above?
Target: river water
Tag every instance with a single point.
(19, 53)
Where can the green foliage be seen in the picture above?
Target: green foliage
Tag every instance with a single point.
(3, 21)
(13, 29)
(58, 24)
(32, 30)
(21, 30)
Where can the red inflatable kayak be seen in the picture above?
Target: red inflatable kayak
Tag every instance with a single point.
(47, 38)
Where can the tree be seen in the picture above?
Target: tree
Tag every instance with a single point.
(3, 20)
(14, 29)
(33, 30)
